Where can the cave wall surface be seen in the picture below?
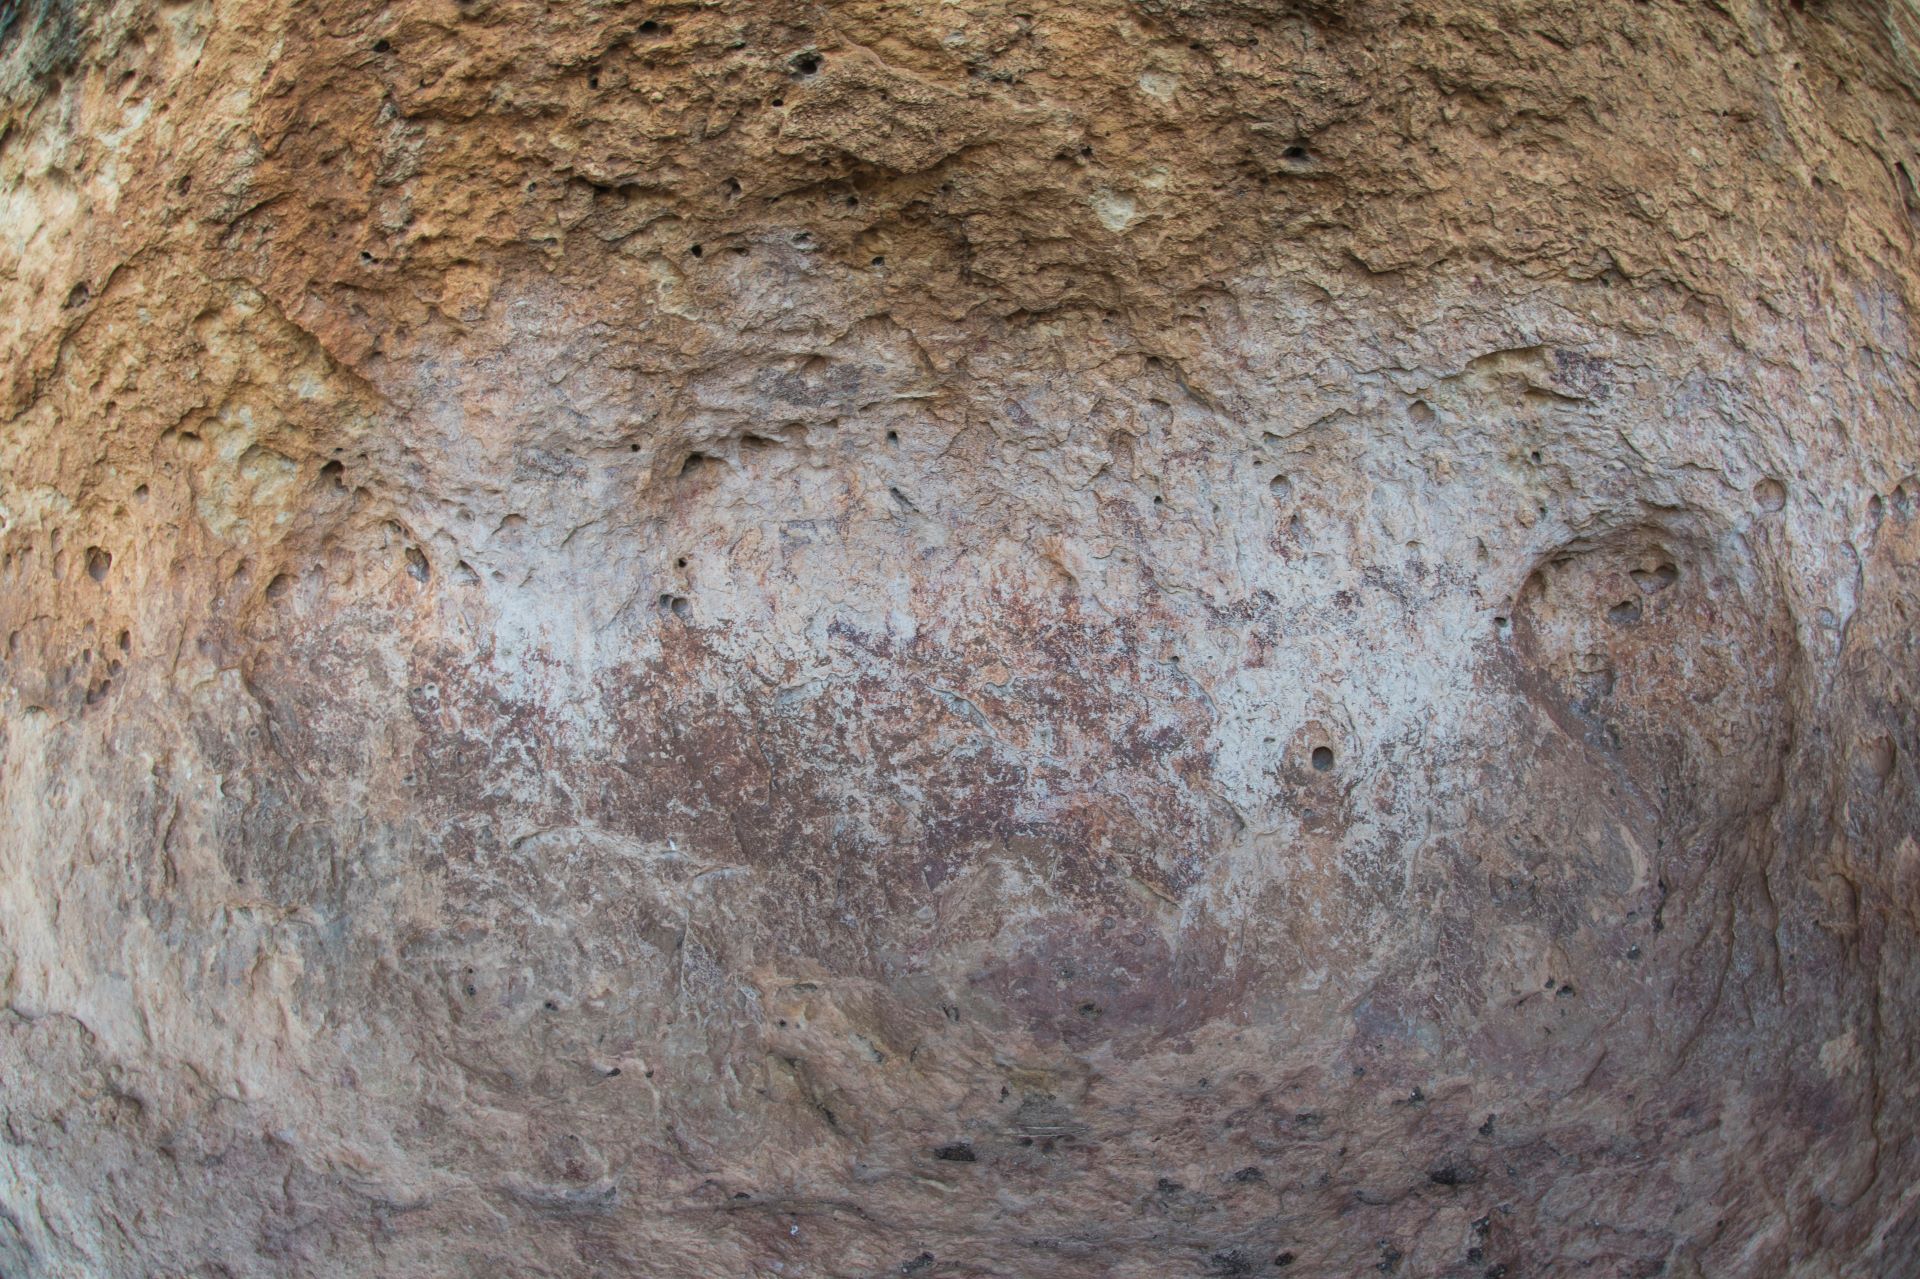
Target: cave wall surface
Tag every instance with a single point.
(1056, 638)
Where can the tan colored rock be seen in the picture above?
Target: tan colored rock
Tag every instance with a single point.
(1186, 637)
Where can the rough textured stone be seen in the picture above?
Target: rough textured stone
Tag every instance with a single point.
(1188, 637)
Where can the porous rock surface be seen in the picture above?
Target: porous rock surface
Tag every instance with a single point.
(996, 638)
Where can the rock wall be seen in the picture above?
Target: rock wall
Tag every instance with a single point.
(1064, 638)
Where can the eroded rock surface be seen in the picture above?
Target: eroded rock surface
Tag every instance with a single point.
(1188, 637)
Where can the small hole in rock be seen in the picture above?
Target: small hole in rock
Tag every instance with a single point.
(1281, 487)
(417, 567)
(140, 494)
(1322, 758)
(697, 250)
(1770, 494)
(893, 437)
(383, 46)
(1880, 756)
(1624, 613)
(807, 63)
(98, 562)
(693, 462)
(78, 295)
(681, 562)
(649, 27)
(334, 473)
(957, 1152)
(277, 589)
(1652, 582)
(879, 261)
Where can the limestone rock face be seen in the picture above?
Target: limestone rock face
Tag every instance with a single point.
(1069, 638)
